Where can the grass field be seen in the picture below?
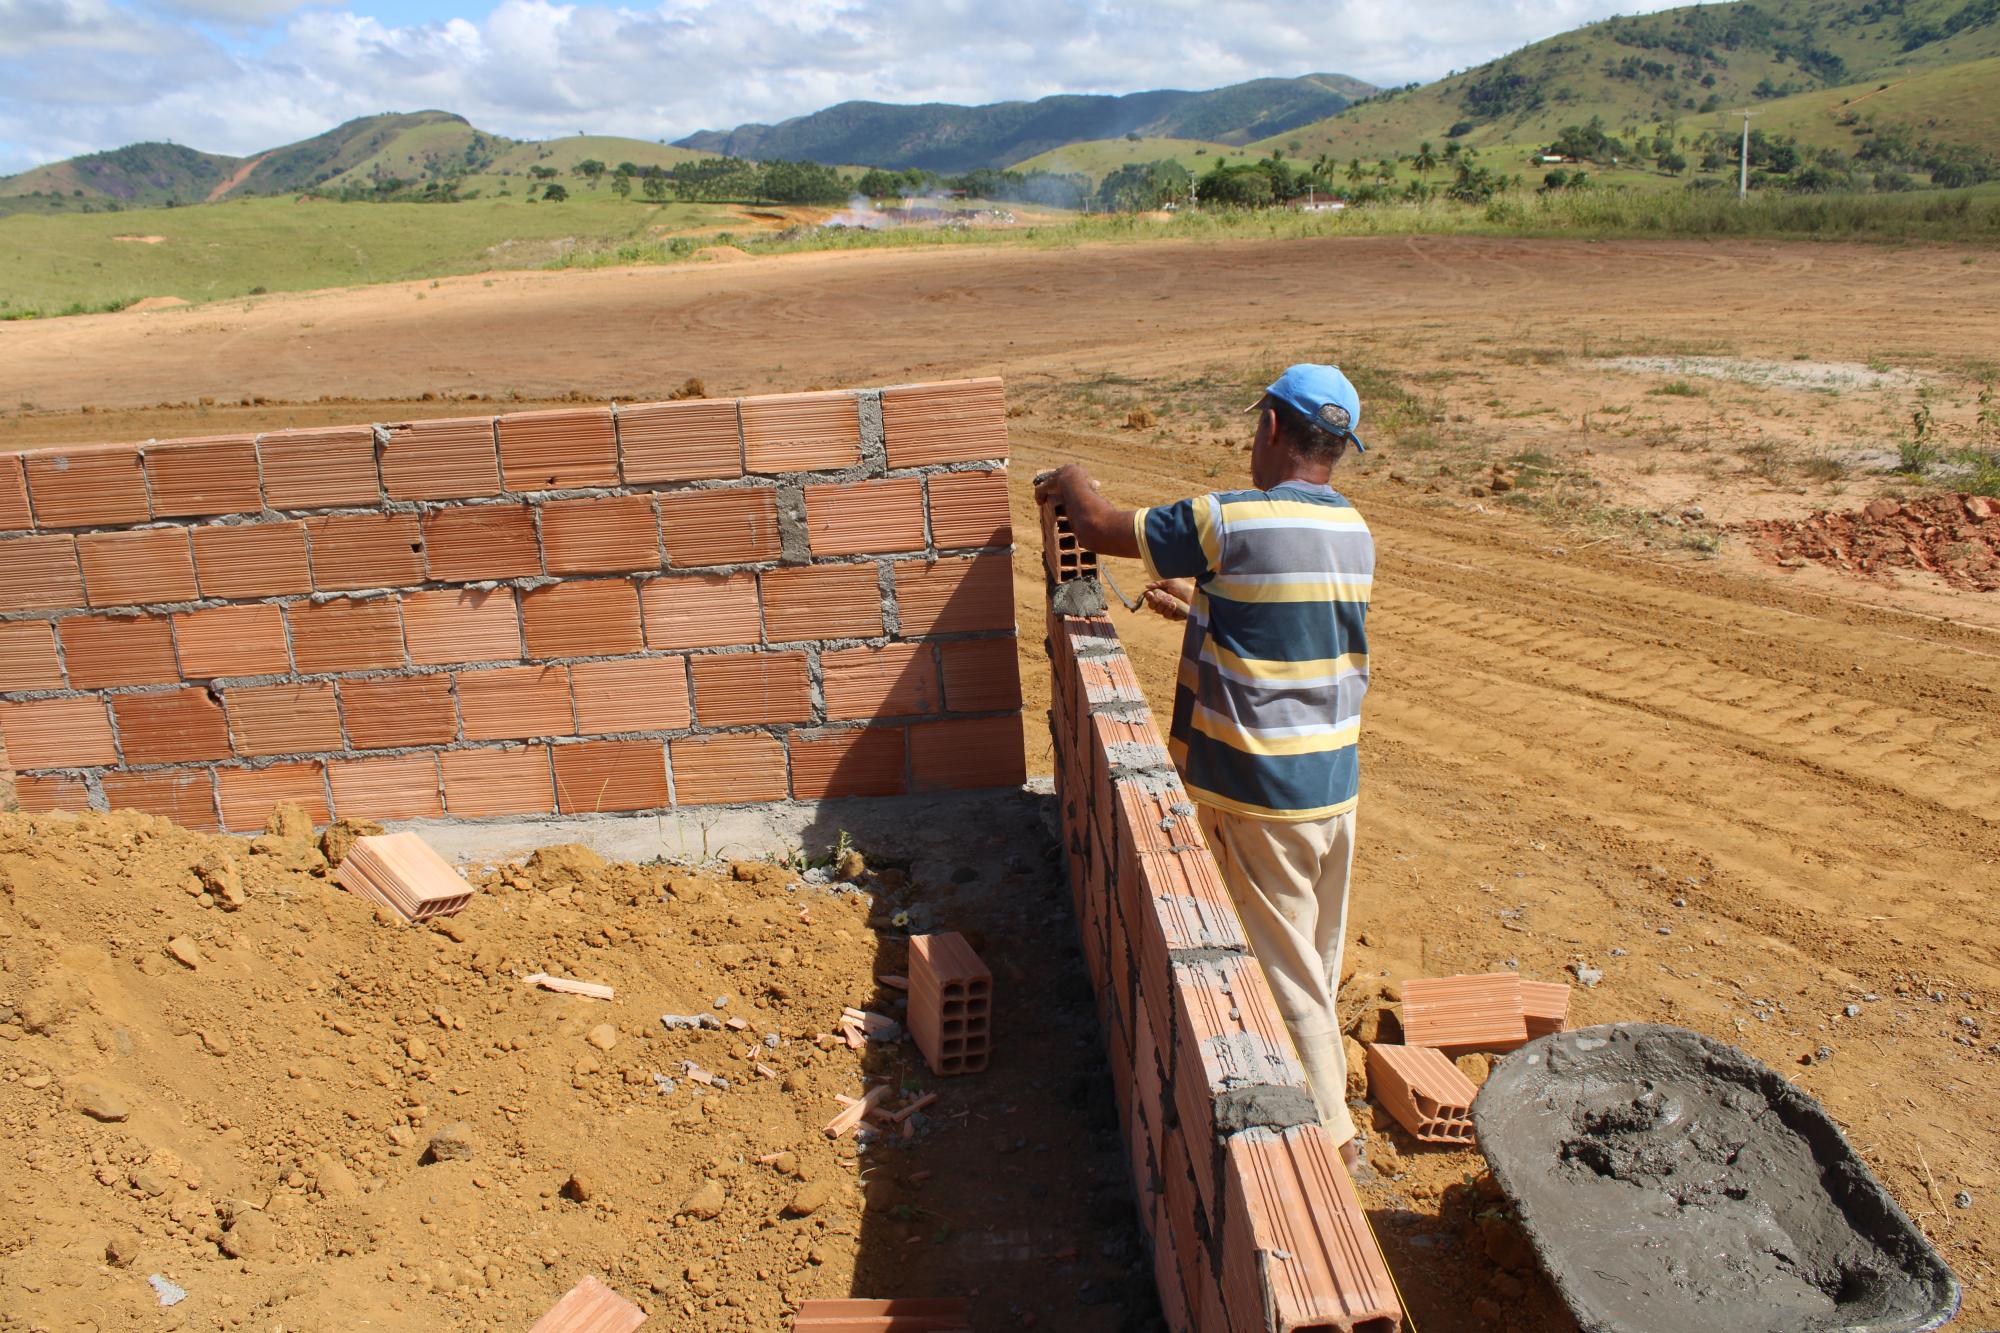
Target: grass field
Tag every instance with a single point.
(1098, 158)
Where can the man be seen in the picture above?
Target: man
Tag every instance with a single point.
(1273, 584)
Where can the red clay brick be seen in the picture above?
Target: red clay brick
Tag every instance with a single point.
(969, 509)
(895, 680)
(292, 718)
(94, 486)
(145, 565)
(57, 733)
(951, 1003)
(39, 574)
(118, 650)
(582, 619)
(516, 703)
(232, 641)
(252, 560)
(631, 694)
(352, 551)
(216, 475)
(691, 440)
(594, 776)
(172, 727)
(822, 602)
(28, 657)
(394, 787)
(866, 517)
(568, 447)
(186, 796)
(390, 712)
(860, 761)
(441, 460)
(446, 626)
(15, 515)
(513, 781)
(248, 795)
(736, 526)
(981, 675)
(746, 689)
(955, 595)
(48, 795)
(1465, 1013)
(609, 535)
(346, 635)
(701, 610)
(723, 770)
(320, 468)
(983, 752)
(473, 543)
(801, 432)
(957, 421)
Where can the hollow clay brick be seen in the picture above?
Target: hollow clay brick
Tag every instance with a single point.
(955, 594)
(444, 627)
(222, 641)
(981, 675)
(957, 421)
(1227, 1035)
(319, 468)
(801, 432)
(979, 752)
(590, 1307)
(15, 514)
(170, 727)
(1424, 1091)
(516, 703)
(28, 656)
(951, 1003)
(39, 573)
(701, 610)
(969, 509)
(693, 439)
(631, 694)
(558, 450)
(478, 783)
(184, 795)
(597, 776)
(404, 873)
(1176, 902)
(390, 712)
(351, 551)
(57, 733)
(215, 475)
(248, 795)
(858, 761)
(866, 517)
(1462, 1014)
(46, 794)
(94, 486)
(1545, 1006)
(242, 560)
(734, 526)
(145, 565)
(895, 680)
(908, 1314)
(344, 634)
(748, 689)
(1063, 556)
(403, 786)
(609, 535)
(472, 543)
(118, 650)
(596, 618)
(293, 718)
(1153, 815)
(821, 602)
(726, 769)
(441, 460)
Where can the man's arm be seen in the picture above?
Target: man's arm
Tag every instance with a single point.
(1097, 524)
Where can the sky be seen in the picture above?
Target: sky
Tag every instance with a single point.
(238, 76)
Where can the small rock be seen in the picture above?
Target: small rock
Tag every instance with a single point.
(810, 1198)
(603, 1036)
(1852, 1011)
(168, 1292)
(1585, 974)
(1665, 930)
(213, 1041)
(453, 1143)
(250, 1236)
(1617, 953)
(1963, 1199)
(183, 951)
(851, 866)
(1680, 902)
(705, 1202)
(289, 820)
(1357, 1068)
(1477, 1066)
(101, 1103)
(341, 835)
(722, 1002)
(224, 882)
(121, 1250)
(786, 1164)
(683, 1022)
(579, 1188)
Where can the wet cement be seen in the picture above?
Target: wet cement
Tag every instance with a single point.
(1673, 1183)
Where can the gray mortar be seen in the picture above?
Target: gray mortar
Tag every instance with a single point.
(794, 538)
(1263, 1106)
(1672, 1183)
(1077, 597)
(1129, 760)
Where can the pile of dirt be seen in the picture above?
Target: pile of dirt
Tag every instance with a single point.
(1956, 537)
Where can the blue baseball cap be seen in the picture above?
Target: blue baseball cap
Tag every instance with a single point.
(1322, 395)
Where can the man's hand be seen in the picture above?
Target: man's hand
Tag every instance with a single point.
(1171, 598)
(1097, 525)
(1050, 486)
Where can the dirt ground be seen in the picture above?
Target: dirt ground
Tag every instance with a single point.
(1603, 730)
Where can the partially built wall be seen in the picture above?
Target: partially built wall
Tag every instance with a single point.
(622, 608)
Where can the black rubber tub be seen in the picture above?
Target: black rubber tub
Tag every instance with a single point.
(1672, 1184)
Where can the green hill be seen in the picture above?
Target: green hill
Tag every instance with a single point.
(1098, 158)
(140, 173)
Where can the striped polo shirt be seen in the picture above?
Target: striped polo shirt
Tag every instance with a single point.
(1267, 708)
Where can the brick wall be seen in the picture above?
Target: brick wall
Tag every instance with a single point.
(1253, 1220)
(621, 608)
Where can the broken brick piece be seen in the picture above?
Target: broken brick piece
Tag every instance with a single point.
(951, 1003)
(1459, 1015)
(590, 1307)
(1424, 1091)
(402, 872)
(1545, 1004)
(927, 1314)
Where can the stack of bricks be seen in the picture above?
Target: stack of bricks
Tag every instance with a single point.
(619, 608)
(1254, 1222)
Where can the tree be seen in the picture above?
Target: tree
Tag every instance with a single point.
(802, 183)
(655, 184)
(541, 173)
(1425, 160)
(1355, 173)
(1672, 163)
(591, 170)
(555, 193)
(621, 185)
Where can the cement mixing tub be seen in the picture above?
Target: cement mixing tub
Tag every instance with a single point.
(1672, 1184)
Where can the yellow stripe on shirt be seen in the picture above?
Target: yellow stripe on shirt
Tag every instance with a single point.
(1262, 669)
(1220, 802)
(1334, 516)
(1306, 589)
(1145, 547)
(1249, 740)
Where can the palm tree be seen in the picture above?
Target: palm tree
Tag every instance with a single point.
(1356, 173)
(1425, 161)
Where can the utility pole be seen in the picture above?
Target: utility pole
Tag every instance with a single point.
(1743, 169)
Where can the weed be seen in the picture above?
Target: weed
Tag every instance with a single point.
(1676, 389)
(1823, 467)
(1984, 477)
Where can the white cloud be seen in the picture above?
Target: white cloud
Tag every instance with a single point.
(76, 75)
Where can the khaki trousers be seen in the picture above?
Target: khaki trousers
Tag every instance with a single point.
(1290, 886)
